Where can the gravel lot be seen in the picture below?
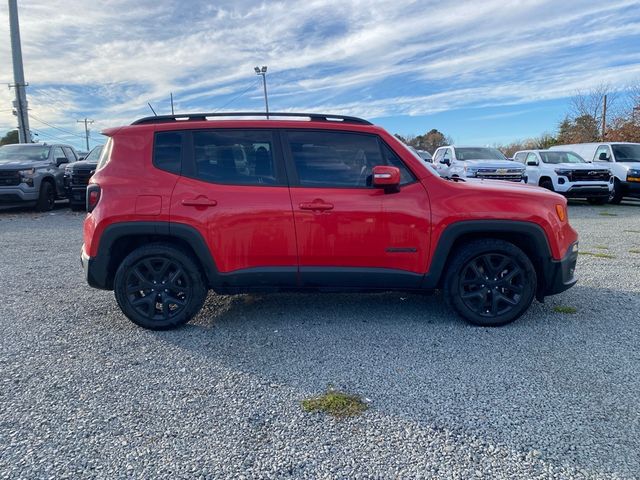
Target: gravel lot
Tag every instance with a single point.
(86, 393)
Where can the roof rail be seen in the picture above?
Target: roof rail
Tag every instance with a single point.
(315, 117)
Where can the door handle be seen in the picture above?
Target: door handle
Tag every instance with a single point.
(318, 205)
(199, 202)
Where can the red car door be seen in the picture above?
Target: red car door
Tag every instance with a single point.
(350, 234)
(233, 189)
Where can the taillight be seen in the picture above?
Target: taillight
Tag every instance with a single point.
(93, 196)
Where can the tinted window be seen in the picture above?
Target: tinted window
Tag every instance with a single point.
(105, 154)
(479, 154)
(627, 152)
(71, 156)
(58, 153)
(167, 151)
(602, 149)
(392, 159)
(241, 157)
(23, 152)
(334, 159)
(561, 157)
(94, 155)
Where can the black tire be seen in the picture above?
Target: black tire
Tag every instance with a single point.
(548, 184)
(490, 282)
(159, 275)
(615, 196)
(47, 197)
(597, 200)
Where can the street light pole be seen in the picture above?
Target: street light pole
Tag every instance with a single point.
(263, 72)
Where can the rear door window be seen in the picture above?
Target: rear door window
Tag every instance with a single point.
(167, 151)
(237, 157)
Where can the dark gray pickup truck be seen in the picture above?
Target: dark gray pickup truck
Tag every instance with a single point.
(33, 174)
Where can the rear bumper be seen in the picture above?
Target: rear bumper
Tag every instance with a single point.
(95, 271)
(560, 274)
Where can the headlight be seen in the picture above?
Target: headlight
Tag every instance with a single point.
(68, 169)
(470, 171)
(633, 175)
(26, 176)
(562, 172)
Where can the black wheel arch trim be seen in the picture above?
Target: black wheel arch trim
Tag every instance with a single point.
(486, 228)
(100, 273)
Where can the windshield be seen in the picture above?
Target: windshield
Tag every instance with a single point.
(627, 153)
(10, 153)
(479, 154)
(561, 157)
(94, 155)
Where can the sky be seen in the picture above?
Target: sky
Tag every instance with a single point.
(483, 72)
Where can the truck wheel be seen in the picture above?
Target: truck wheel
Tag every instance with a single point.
(597, 200)
(47, 197)
(490, 282)
(615, 196)
(159, 287)
(548, 184)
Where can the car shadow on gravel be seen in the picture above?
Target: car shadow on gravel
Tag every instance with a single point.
(565, 385)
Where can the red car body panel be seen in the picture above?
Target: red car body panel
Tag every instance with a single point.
(261, 226)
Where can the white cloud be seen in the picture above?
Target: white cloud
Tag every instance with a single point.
(376, 58)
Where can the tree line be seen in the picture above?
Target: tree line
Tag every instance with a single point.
(601, 114)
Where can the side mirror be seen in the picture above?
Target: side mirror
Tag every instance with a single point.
(446, 161)
(532, 163)
(61, 160)
(387, 178)
(603, 156)
(80, 158)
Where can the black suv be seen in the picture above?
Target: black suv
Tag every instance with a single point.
(77, 175)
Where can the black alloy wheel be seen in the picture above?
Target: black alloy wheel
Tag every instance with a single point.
(490, 282)
(159, 287)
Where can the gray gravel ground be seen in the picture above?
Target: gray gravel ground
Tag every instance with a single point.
(85, 393)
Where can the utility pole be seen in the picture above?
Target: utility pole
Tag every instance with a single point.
(263, 72)
(171, 93)
(86, 122)
(604, 117)
(20, 103)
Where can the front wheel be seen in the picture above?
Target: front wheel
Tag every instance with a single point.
(615, 196)
(46, 198)
(159, 287)
(490, 282)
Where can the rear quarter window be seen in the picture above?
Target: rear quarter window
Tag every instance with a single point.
(105, 156)
(167, 151)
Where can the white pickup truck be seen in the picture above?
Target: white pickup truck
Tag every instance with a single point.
(621, 158)
(476, 162)
(567, 173)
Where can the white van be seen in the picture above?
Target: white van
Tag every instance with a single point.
(622, 158)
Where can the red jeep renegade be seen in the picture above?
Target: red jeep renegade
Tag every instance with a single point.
(183, 204)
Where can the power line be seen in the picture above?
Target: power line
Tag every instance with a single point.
(39, 120)
(51, 136)
(237, 96)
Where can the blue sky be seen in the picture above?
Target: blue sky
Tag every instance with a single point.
(482, 72)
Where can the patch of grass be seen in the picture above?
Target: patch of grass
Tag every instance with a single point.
(601, 247)
(608, 214)
(335, 403)
(634, 250)
(597, 254)
(565, 309)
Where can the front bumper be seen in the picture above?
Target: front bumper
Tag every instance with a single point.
(17, 195)
(584, 191)
(631, 189)
(560, 274)
(77, 194)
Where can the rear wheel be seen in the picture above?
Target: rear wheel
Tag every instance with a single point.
(490, 282)
(159, 287)
(615, 196)
(47, 197)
